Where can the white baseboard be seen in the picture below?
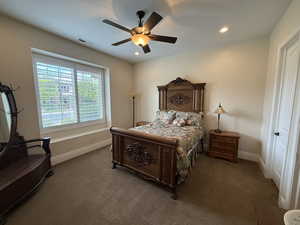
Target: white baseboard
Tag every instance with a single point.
(263, 168)
(248, 156)
(78, 152)
(283, 203)
(255, 158)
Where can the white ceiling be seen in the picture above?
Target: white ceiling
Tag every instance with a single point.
(194, 22)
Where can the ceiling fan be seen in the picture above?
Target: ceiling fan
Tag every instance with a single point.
(141, 35)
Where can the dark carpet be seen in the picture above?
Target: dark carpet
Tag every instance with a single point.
(86, 191)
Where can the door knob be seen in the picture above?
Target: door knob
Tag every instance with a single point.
(276, 133)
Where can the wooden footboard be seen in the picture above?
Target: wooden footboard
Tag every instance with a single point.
(151, 156)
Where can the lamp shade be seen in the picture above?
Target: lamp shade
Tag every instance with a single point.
(133, 93)
(220, 110)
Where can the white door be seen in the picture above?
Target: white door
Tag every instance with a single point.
(290, 68)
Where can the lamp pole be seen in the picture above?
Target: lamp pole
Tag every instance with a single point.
(133, 109)
(218, 130)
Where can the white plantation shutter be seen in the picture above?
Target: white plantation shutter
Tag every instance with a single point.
(68, 92)
(57, 94)
(90, 95)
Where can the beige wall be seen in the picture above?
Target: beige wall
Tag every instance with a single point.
(286, 27)
(235, 76)
(16, 41)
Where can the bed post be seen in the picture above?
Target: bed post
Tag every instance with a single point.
(202, 145)
(174, 195)
(174, 189)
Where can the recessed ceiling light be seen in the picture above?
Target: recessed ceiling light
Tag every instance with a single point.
(224, 30)
(136, 53)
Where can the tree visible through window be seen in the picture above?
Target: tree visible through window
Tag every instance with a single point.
(89, 90)
(67, 95)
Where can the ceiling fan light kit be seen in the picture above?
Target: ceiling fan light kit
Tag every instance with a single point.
(141, 35)
(140, 39)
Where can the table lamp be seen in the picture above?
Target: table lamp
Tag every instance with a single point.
(219, 111)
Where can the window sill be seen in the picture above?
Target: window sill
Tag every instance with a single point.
(51, 130)
(69, 137)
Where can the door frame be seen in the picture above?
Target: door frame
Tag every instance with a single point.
(288, 187)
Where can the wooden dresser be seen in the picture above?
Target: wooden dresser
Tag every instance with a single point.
(224, 145)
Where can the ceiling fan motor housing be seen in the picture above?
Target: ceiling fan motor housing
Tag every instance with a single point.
(140, 15)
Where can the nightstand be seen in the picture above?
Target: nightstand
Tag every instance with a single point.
(224, 145)
(142, 123)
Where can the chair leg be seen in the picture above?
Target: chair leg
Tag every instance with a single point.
(2, 220)
(50, 173)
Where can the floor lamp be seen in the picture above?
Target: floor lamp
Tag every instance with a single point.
(132, 95)
(133, 110)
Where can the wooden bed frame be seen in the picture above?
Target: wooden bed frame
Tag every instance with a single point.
(151, 156)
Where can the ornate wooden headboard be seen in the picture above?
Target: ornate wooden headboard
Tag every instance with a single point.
(182, 95)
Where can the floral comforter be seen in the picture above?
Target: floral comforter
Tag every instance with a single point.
(188, 137)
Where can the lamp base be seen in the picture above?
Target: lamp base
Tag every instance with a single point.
(218, 131)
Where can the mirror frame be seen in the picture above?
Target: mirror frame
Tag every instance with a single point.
(13, 113)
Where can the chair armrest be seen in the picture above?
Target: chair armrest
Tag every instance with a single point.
(45, 144)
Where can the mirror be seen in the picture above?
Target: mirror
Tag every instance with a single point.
(5, 120)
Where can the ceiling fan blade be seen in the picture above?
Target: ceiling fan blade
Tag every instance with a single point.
(163, 38)
(146, 49)
(152, 21)
(117, 25)
(121, 42)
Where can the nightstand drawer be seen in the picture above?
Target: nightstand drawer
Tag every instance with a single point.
(222, 150)
(226, 146)
(223, 139)
(224, 155)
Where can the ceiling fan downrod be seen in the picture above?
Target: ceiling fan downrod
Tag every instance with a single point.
(140, 15)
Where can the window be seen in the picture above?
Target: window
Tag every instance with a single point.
(68, 92)
(89, 89)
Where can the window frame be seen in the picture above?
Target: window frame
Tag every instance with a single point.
(75, 64)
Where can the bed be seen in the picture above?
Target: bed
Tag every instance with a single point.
(164, 151)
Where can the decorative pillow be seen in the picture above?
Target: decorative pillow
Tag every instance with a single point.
(195, 119)
(189, 122)
(179, 122)
(182, 115)
(165, 116)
